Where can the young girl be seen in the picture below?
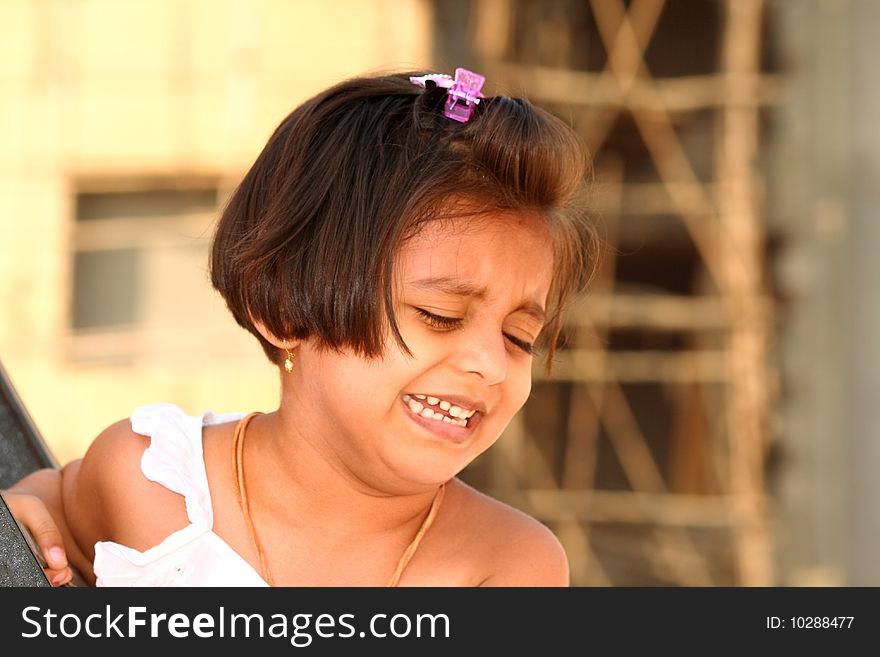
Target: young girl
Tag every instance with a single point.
(399, 248)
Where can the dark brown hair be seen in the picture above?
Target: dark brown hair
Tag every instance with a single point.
(306, 244)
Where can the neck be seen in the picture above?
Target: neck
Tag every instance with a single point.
(293, 470)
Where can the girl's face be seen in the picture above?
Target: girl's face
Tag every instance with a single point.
(470, 299)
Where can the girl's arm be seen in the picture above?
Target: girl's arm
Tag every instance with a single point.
(106, 496)
(90, 499)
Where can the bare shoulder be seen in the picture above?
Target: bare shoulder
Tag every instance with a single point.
(108, 498)
(514, 548)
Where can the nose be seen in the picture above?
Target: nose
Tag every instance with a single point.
(484, 352)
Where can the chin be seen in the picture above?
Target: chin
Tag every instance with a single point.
(431, 471)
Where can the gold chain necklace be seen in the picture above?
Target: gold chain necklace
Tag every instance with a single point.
(238, 469)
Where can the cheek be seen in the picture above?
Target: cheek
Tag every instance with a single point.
(343, 383)
(519, 387)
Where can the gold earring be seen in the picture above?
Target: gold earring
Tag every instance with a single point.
(288, 362)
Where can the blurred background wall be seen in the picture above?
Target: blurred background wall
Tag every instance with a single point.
(123, 127)
(710, 419)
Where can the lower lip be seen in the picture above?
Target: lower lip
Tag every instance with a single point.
(439, 429)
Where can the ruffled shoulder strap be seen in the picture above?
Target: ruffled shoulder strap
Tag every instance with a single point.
(175, 458)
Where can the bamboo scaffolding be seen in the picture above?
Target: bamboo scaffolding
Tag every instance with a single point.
(682, 95)
(664, 312)
(716, 380)
(741, 267)
(669, 509)
(640, 366)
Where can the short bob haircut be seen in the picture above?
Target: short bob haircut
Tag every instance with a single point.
(306, 244)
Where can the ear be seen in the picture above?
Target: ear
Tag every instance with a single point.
(284, 345)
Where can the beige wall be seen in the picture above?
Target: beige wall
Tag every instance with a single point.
(98, 90)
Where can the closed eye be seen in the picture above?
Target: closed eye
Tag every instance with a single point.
(442, 322)
(527, 347)
(439, 321)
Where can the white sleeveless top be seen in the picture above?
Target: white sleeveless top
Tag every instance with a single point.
(194, 555)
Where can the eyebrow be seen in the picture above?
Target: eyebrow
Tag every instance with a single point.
(460, 288)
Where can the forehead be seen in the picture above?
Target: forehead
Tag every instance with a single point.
(498, 250)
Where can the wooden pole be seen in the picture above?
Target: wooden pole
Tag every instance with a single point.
(741, 282)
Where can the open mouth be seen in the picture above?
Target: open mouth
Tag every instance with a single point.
(439, 409)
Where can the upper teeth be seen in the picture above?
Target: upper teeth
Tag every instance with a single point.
(417, 406)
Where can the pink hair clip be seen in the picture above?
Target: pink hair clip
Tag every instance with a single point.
(463, 95)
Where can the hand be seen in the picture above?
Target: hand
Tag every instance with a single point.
(33, 514)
